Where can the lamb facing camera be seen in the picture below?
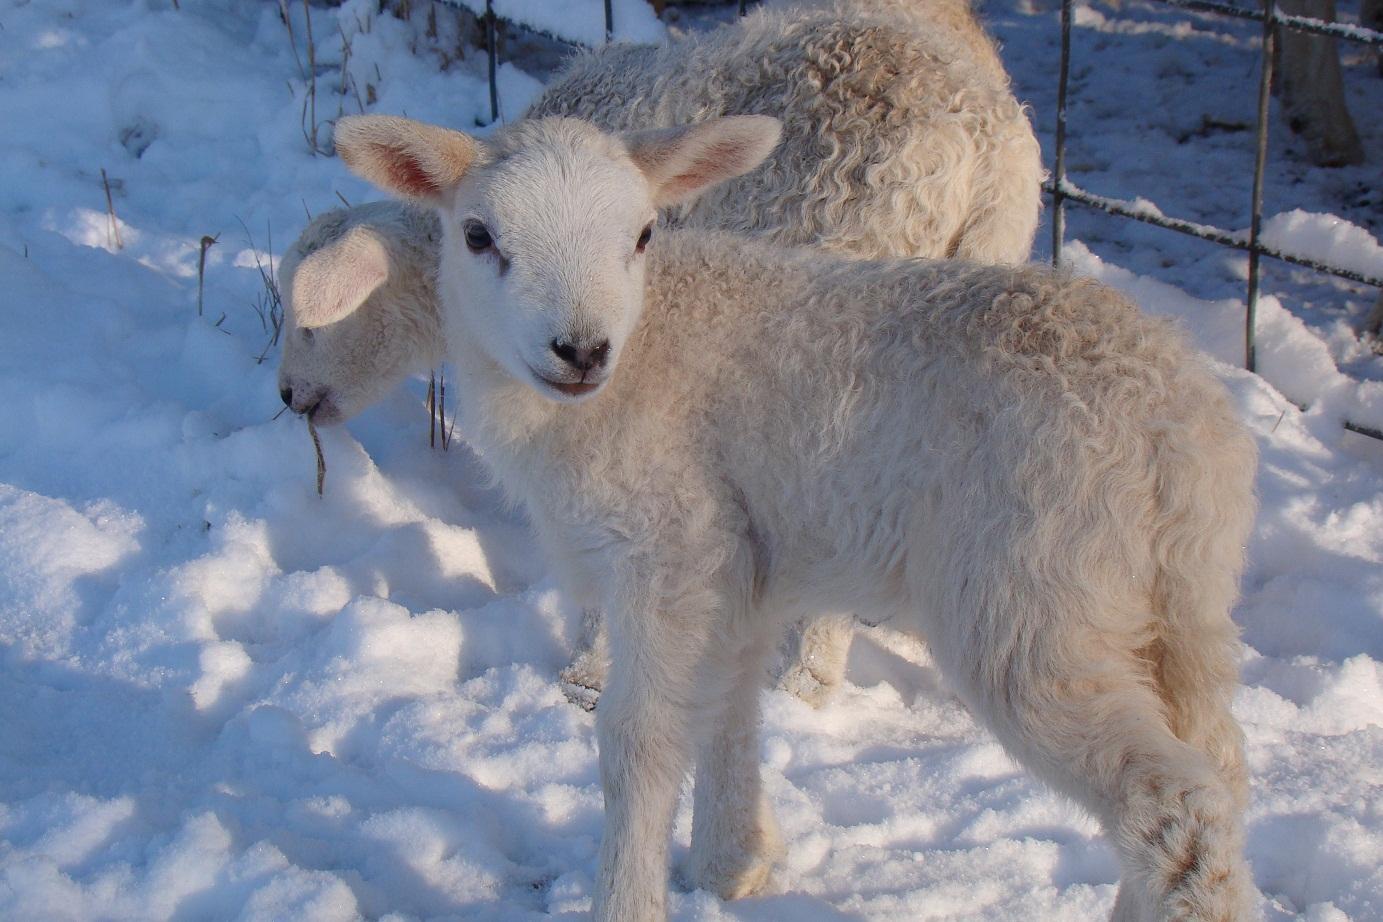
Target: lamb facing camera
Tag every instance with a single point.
(1013, 464)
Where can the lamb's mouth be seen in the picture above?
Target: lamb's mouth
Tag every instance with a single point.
(570, 388)
(323, 413)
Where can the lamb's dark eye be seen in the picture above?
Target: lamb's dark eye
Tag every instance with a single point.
(644, 237)
(306, 334)
(478, 238)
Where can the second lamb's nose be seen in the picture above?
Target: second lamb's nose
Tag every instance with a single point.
(287, 394)
(582, 358)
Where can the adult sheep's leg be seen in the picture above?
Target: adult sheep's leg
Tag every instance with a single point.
(816, 665)
(815, 662)
(582, 680)
(1371, 15)
(1313, 92)
(734, 837)
(1373, 324)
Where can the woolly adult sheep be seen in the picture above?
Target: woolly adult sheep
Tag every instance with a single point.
(714, 436)
(901, 138)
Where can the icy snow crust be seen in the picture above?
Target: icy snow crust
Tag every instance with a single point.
(224, 698)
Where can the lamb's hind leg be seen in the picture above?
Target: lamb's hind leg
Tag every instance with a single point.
(816, 663)
(1091, 723)
(734, 837)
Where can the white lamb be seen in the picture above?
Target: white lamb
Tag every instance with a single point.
(714, 437)
(901, 137)
(360, 300)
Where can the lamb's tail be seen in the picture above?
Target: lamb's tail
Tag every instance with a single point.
(1206, 501)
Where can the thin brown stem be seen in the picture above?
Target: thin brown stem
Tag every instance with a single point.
(207, 243)
(321, 458)
(114, 229)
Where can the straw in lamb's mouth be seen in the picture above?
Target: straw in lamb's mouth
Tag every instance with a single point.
(321, 459)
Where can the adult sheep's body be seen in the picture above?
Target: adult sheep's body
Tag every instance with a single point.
(901, 136)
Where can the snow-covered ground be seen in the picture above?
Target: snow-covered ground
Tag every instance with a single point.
(222, 697)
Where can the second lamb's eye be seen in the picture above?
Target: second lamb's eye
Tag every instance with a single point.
(306, 334)
(478, 238)
(644, 237)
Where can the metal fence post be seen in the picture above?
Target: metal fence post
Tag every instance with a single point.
(1259, 165)
(492, 42)
(609, 21)
(1058, 211)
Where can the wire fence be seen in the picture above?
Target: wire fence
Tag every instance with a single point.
(1062, 190)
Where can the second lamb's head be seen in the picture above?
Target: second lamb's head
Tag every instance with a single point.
(545, 226)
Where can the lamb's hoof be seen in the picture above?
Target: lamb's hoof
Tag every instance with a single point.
(747, 879)
(735, 872)
(806, 685)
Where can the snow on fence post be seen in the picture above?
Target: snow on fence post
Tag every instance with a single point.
(1062, 190)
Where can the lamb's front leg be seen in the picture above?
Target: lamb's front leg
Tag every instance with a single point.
(644, 724)
(735, 840)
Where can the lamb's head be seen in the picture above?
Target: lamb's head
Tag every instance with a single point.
(544, 228)
(359, 309)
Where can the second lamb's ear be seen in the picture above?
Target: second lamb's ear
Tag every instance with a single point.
(410, 159)
(332, 282)
(681, 163)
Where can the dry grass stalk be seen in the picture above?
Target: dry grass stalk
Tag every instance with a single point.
(287, 17)
(113, 231)
(321, 458)
(207, 243)
(310, 101)
(348, 84)
(432, 410)
(268, 304)
(437, 425)
(442, 413)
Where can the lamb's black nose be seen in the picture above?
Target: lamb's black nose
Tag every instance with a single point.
(582, 358)
(287, 394)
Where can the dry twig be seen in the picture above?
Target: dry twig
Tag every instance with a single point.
(114, 226)
(207, 243)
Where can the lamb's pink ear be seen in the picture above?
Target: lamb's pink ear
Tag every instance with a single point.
(410, 159)
(681, 163)
(332, 282)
